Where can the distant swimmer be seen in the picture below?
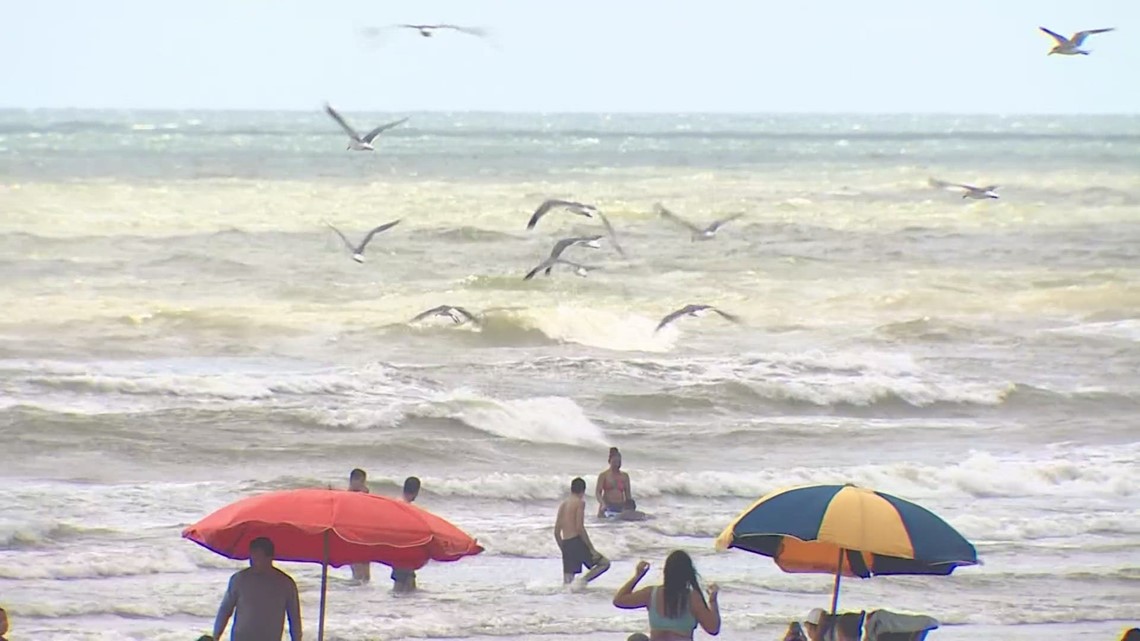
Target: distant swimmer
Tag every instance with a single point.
(1071, 46)
(356, 141)
(358, 250)
(695, 311)
(613, 489)
(404, 581)
(970, 191)
(697, 232)
(358, 482)
(458, 315)
(559, 247)
(571, 537)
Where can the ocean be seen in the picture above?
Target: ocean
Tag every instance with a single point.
(181, 329)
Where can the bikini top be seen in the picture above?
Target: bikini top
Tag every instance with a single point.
(684, 624)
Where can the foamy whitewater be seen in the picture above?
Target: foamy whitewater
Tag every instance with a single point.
(180, 330)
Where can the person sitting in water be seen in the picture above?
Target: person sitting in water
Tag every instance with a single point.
(405, 580)
(675, 607)
(629, 512)
(612, 489)
(358, 482)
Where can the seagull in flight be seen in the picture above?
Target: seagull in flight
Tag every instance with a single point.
(358, 142)
(578, 268)
(694, 311)
(358, 250)
(561, 246)
(1071, 46)
(581, 209)
(972, 192)
(458, 315)
(428, 30)
(698, 233)
(569, 205)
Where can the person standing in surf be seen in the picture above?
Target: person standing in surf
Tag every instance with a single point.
(358, 482)
(571, 537)
(612, 489)
(404, 581)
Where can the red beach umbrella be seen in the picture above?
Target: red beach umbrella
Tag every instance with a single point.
(333, 527)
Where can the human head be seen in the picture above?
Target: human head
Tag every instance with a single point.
(411, 488)
(1131, 635)
(578, 487)
(261, 553)
(3, 621)
(812, 623)
(680, 576)
(637, 636)
(357, 478)
(615, 459)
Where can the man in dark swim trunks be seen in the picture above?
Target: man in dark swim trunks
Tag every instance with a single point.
(570, 534)
(612, 489)
(405, 580)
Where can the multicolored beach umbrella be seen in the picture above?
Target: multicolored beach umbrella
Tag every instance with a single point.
(847, 531)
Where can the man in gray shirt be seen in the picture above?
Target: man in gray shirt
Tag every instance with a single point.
(263, 596)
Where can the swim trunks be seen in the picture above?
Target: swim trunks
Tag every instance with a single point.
(575, 555)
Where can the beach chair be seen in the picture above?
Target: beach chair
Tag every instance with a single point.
(883, 625)
(851, 621)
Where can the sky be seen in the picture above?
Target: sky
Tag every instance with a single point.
(740, 56)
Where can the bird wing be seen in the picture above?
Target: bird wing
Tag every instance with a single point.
(342, 237)
(1080, 36)
(431, 312)
(668, 215)
(545, 207)
(370, 136)
(610, 231)
(561, 245)
(672, 316)
(471, 31)
(717, 224)
(546, 264)
(1061, 40)
(368, 238)
(989, 187)
(340, 121)
(942, 184)
(466, 314)
(725, 315)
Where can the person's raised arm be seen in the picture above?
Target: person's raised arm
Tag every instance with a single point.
(708, 615)
(226, 609)
(293, 612)
(626, 598)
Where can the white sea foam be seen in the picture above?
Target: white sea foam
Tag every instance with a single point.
(538, 420)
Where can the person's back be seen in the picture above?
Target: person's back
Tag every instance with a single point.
(259, 598)
(262, 599)
(676, 607)
(677, 625)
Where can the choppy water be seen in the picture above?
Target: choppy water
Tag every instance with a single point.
(179, 330)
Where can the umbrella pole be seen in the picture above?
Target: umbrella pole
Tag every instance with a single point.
(324, 588)
(838, 575)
